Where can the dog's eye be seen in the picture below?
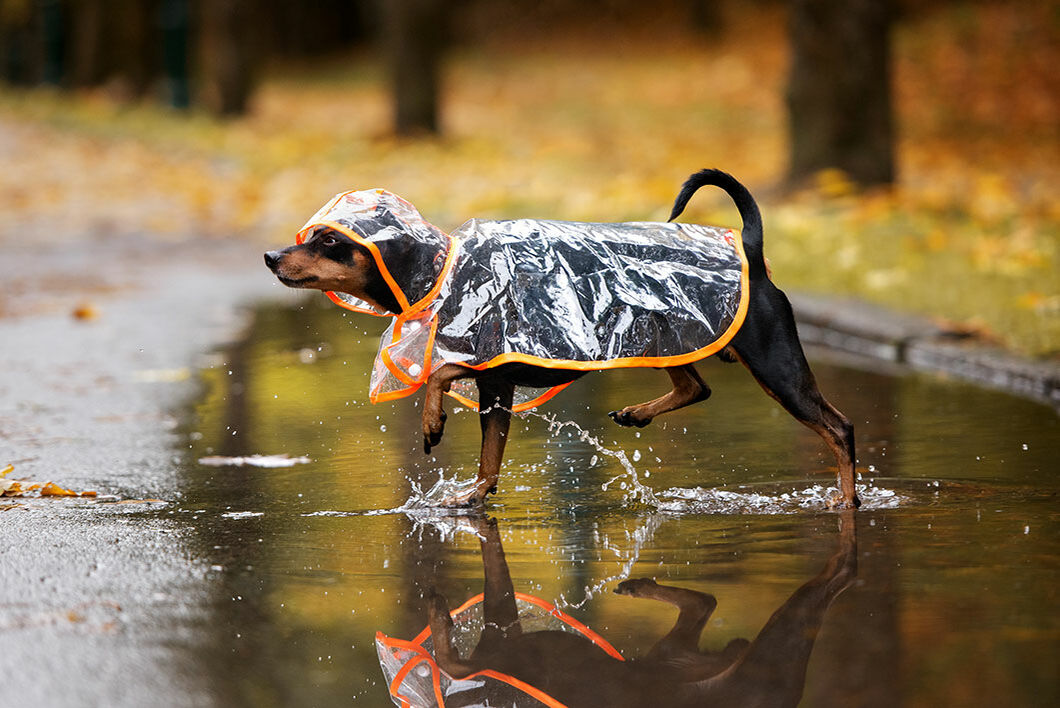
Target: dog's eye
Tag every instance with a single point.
(329, 240)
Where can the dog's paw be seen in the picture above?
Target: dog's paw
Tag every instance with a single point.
(626, 418)
(471, 499)
(634, 587)
(433, 428)
(438, 607)
(836, 502)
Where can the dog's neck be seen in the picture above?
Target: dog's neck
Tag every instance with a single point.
(378, 294)
(406, 261)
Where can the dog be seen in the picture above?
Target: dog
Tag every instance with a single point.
(578, 668)
(384, 259)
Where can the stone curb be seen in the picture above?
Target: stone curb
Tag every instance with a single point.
(857, 327)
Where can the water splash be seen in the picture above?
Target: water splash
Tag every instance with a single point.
(698, 500)
(422, 504)
(641, 536)
(635, 492)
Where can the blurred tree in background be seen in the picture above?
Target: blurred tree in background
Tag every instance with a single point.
(586, 110)
(139, 47)
(414, 37)
(231, 60)
(839, 93)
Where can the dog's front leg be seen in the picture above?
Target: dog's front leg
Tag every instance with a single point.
(445, 652)
(495, 415)
(439, 383)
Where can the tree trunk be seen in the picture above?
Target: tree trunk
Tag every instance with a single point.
(414, 36)
(839, 94)
(16, 42)
(86, 44)
(174, 23)
(228, 28)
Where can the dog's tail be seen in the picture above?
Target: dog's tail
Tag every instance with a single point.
(745, 203)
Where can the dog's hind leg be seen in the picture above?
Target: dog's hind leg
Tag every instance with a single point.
(688, 388)
(768, 345)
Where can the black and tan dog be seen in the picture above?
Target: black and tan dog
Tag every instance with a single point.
(577, 672)
(766, 343)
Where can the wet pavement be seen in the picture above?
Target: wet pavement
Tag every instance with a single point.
(257, 586)
(95, 598)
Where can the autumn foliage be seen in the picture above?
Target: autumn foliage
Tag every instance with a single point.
(588, 126)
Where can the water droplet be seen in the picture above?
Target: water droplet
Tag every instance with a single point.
(382, 428)
(636, 455)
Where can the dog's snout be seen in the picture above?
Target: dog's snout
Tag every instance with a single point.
(272, 259)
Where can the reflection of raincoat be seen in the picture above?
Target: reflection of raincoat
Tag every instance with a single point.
(414, 678)
(562, 295)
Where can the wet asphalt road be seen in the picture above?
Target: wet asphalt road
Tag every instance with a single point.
(97, 599)
(101, 603)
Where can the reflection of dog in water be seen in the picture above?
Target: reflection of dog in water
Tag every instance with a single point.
(769, 671)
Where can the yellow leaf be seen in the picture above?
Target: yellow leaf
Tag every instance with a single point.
(50, 489)
(85, 311)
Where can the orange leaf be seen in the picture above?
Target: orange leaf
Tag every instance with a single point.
(50, 489)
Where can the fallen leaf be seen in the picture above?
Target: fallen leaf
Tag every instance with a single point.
(50, 489)
(15, 487)
(85, 311)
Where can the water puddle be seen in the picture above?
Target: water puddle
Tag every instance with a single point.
(340, 535)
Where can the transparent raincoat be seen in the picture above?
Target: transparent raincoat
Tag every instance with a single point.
(556, 294)
(415, 679)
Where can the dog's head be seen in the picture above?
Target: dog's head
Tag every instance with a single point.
(329, 260)
(370, 251)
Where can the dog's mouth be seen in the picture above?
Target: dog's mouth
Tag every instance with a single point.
(296, 282)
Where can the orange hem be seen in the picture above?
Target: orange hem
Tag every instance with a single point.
(416, 646)
(520, 407)
(642, 361)
(333, 296)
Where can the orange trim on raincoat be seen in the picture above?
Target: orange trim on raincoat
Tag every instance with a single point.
(516, 357)
(422, 655)
(398, 293)
(659, 362)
